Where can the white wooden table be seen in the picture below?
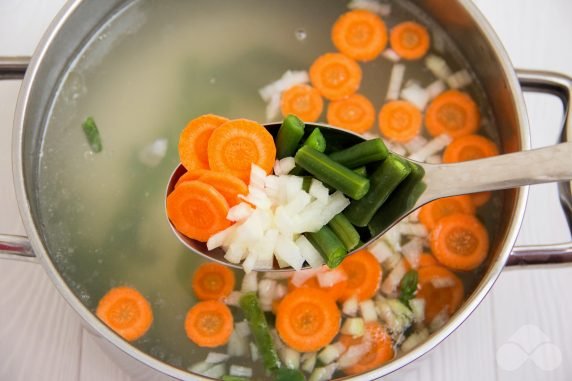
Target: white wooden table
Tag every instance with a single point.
(41, 338)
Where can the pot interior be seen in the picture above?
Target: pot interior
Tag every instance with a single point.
(142, 70)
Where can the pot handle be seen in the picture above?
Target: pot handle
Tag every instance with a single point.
(12, 246)
(559, 85)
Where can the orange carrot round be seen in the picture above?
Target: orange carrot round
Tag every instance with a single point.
(335, 292)
(197, 210)
(426, 260)
(360, 34)
(228, 185)
(304, 101)
(453, 113)
(335, 75)
(447, 298)
(399, 121)
(212, 281)
(469, 147)
(432, 212)
(307, 319)
(126, 311)
(380, 352)
(460, 242)
(481, 198)
(410, 40)
(364, 275)
(355, 113)
(237, 144)
(191, 175)
(209, 324)
(194, 138)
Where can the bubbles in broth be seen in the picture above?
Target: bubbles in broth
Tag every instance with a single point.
(143, 76)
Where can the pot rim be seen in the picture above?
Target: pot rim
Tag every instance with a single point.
(101, 329)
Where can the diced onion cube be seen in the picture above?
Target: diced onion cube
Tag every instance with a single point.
(367, 310)
(354, 327)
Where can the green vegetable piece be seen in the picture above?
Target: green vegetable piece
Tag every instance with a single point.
(259, 327)
(92, 134)
(287, 374)
(289, 136)
(408, 287)
(331, 173)
(328, 245)
(316, 140)
(384, 180)
(401, 201)
(234, 378)
(345, 231)
(362, 171)
(360, 154)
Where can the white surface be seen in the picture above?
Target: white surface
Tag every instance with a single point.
(41, 337)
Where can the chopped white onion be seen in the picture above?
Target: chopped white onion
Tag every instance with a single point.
(253, 351)
(308, 361)
(242, 328)
(257, 177)
(215, 358)
(309, 252)
(200, 367)
(395, 147)
(250, 282)
(266, 289)
(442, 282)
(152, 154)
(368, 135)
(432, 147)
(235, 252)
(350, 306)
(393, 238)
(290, 358)
(415, 144)
(436, 88)
(280, 291)
(287, 251)
(367, 310)
(319, 191)
(216, 371)
(265, 250)
(395, 81)
(293, 186)
(459, 79)
(382, 9)
(412, 251)
(284, 166)
(438, 66)
(300, 277)
(237, 346)
(233, 298)
(380, 250)
(240, 371)
(332, 277)
(414, 229)
(416, 95)
(218, 239)
(418, 307)
(276, 339)
(439, 320)
(354, 354)
(239, 212)
(434, 159)
(390, 55)
(389, 285)
(273, 107)
(331, 352)
(288, 79)
(354, 327)
(414, 340)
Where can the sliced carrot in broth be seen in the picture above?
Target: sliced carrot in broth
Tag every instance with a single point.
(335, 75)
(194, 138)
(355, 113)
(303, 101)
(360, 34)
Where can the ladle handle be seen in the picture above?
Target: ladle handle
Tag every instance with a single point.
(12, 246)
(542, 165)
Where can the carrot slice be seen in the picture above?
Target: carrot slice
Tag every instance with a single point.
(399, 121)
(212, 281)
(356, 113)
(307, 319)
(191, 175)
(364, 275)
(454, 113)
(432, 212)
(228, 185)
(237, 144)
(459, 241)
(335, 75)
(209, 323)
(447, 297)
(194, 138)
(304, 101)
(335, 292)
(410, 40)
(126, 311)
(380, 352)
(471, 147)
(360, 34)
(197, 210)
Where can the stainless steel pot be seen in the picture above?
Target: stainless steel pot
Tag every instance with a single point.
(459, 18)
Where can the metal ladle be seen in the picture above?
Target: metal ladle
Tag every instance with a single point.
(543, 165)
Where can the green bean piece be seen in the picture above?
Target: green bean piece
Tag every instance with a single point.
(328, 245)
(234, 378)
(362, 171)
(331, 173)
(384, 180)
(345, 231)
(306, 183)
(289, 135)
(316, 140)
(259, 327)
(408, 287)
(287, 374)
(362, 153)
(92, 134)
(400, 201)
